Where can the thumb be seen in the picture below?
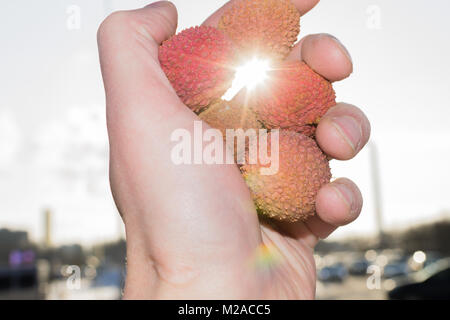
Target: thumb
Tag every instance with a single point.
(128, 44)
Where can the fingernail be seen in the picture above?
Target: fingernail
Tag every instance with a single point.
(350, 130)
(342, 47)
(345, 194)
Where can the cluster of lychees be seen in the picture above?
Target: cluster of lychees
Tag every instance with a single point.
(200, 63)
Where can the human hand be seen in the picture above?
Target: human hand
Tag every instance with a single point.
(192, 230)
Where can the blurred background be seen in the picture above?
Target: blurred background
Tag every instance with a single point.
(60, 234)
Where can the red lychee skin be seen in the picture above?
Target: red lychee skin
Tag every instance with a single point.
(290, 194)
(267, 28)
(294, 97)
(223, 115)
(198, 63)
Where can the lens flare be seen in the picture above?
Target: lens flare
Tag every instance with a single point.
(248, 76)
(267, 257)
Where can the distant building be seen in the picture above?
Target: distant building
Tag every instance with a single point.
(10, 241)
(47, 228)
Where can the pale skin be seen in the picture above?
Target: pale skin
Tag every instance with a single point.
(192, 231)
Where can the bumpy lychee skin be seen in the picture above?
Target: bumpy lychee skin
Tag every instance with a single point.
(198, 63)
(224, 115)
(262, 27)
(290, 194)
(293, 97)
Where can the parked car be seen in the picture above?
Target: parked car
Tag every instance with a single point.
(359, 267)
(395, 269)
(333, 273)
(432, 282)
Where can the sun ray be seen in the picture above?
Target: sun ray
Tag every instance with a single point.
(248, 76)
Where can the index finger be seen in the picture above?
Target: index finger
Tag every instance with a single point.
(303, 7)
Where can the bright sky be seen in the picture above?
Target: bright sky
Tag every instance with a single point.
(53, 149)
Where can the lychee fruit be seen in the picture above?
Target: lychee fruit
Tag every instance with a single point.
(223, 115)
(267, 28)
(199, 64)
(289, 194)
(293, 97)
